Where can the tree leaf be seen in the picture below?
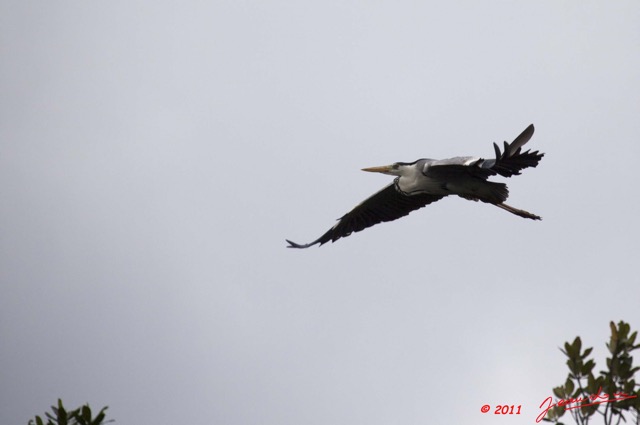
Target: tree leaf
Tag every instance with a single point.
(568, 386)
(613, 342)
(558, 392)
(577, 345)
(587, 367)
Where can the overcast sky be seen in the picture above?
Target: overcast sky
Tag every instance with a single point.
(155, 155)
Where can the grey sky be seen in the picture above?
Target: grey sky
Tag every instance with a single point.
(155, 155)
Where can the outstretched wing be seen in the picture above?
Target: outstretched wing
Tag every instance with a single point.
(507, 163)
(386, 205)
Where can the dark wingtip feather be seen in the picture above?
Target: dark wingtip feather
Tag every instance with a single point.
(497, 149)
(296, 245)
(512, 160)
(522, 138)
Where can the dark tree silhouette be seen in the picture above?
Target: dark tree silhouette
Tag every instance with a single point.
(80, 416)
(612, 394)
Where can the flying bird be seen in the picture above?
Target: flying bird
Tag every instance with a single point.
(425, 181)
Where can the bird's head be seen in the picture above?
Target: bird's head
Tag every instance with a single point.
(395, 169)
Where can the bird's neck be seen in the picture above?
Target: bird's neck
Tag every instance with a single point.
(413, 181)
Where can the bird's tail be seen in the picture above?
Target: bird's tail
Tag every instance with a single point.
(485, 191)
(520, 213)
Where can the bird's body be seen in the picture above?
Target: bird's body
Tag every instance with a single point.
(424, 181)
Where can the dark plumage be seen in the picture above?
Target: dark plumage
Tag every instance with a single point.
(424, 181)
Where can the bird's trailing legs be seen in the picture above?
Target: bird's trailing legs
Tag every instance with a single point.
(520, 213)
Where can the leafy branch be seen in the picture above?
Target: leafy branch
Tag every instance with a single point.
(80, 416)
(612, 394)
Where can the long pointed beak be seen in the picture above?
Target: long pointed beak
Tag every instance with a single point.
(384, 169)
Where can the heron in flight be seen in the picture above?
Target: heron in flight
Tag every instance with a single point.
(425, 181)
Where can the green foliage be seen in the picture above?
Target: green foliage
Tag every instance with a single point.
(80, 416)
(583, 388)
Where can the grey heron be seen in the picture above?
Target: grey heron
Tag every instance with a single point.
(425, 181)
